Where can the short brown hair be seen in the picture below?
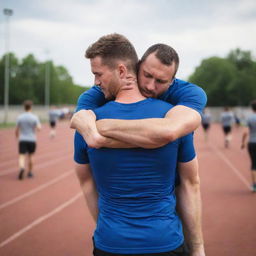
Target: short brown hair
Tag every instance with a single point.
(253, 105)
(114, 47)
(165, 53)
(27, 104)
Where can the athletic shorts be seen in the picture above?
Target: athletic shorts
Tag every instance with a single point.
(252, 153)
(180, 251)
(27, 147)
(52, 124)
(205, 126)
(227, 129)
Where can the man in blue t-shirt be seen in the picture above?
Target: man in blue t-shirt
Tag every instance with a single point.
(156, 78)
(134, 203)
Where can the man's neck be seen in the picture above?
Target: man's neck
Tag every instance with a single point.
(130, 95)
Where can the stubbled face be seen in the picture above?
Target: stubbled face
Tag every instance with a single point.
(105, 77)
(154, 77)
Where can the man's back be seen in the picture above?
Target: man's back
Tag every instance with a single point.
(227, 118)
(27, 123)
(136, 188)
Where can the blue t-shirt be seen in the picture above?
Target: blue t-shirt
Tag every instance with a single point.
(179, 93)
(136, 186)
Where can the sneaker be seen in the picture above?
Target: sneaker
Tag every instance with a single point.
(30, 175)
(20, 177)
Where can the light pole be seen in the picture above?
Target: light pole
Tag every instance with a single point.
(47, 83)
(7, 13)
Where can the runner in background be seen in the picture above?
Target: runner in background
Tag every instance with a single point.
(250, 131)
(27, 124)
(53, 118)
(206, 122)
(227, 120)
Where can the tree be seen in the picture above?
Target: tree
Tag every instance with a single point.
(27, 81)
(227, 81)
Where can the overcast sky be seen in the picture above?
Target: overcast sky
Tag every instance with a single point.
(61, 30)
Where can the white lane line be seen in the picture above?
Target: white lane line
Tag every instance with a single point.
(37, 157)
(33, 191)
(37, 166)
(40, 220)
(232, 167)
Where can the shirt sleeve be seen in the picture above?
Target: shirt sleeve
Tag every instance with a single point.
(186, 94)
(37, 121)
(91, 99)
(186, 150)
(80, 149)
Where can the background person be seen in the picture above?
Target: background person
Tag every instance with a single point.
(27, 124)
(54, 114)
(206, 122)
(227, 120)
(250, 131)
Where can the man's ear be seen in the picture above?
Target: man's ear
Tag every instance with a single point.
(122, 71)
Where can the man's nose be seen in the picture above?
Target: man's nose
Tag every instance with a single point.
(151, 85)
(96, 81)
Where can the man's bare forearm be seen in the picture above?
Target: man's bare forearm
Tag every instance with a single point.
(89, 188)
(152, 132)
(189, 209)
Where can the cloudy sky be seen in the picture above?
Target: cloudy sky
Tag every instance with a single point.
(61, 30)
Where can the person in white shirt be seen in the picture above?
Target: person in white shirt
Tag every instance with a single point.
(26, 126)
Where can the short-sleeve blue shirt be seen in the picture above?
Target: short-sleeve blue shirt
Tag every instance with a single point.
(136, 186)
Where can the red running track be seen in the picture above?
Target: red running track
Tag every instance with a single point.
(47, 215)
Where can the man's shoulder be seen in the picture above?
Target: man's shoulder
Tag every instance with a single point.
(91, 98)
(181, 84)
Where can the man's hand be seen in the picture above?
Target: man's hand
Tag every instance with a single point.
(81, 119)
(129, 81)
(84, 121)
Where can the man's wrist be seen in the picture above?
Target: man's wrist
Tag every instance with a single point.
(197, 249)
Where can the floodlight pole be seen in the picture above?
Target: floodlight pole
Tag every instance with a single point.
(7, 13)
(47, 83)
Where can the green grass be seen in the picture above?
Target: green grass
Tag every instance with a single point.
(7, 125)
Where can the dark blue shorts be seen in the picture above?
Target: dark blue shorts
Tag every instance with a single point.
(226, 129)
(252, 153)
(27, 147)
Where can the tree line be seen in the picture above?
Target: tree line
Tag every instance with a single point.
(27, 81)
(229, 81)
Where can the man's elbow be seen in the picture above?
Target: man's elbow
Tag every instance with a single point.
(168, 135)
(191, 183)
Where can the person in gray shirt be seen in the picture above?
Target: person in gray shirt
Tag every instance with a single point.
(250, 131)
(206, 122)
(26, 126)
(227, 120)
(54, 115)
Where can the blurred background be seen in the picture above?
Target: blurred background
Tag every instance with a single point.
(43, 43)
(42, 46)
